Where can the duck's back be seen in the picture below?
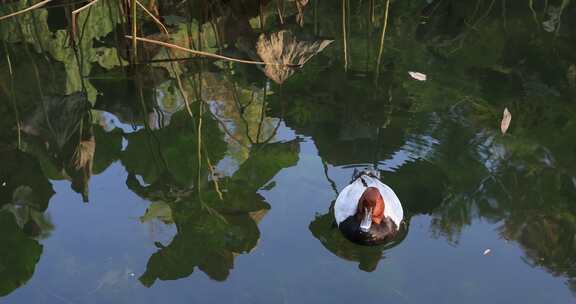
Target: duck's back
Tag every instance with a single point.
(347, 201)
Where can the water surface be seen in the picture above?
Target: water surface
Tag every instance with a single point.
(165, 177)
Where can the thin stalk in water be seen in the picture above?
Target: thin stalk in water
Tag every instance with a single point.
(344, 35)
(134, 31)
(382, 37)
(37, 5)
(13, 97)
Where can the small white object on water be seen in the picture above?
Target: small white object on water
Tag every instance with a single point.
(3, 184)
(506, 119)
(418, 76)
(487, 251)
(132, 274)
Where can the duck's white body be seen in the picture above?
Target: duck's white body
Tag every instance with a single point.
(347, 201)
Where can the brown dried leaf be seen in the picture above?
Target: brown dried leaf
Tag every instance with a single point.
(284, 52)
(506, 118)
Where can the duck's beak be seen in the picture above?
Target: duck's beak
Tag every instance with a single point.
(366, 220)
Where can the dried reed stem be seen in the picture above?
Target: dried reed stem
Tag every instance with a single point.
(153, 17)
(205, 54)
(37, 5)
(76, 12)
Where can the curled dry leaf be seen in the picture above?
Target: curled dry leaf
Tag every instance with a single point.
(487, 251)
(285, 52)
(506, 118)
(418, 76)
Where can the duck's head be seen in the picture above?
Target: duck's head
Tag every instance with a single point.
(370, 209)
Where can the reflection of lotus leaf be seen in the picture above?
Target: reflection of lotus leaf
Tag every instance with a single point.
(108, 147)
(18, 255)
(19, 170)
(204, 241)
(174, 146)
(158, 210)
(212, 231)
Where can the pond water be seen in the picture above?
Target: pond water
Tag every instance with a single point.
(158, 176)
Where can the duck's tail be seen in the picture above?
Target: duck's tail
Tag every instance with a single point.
(368, 172)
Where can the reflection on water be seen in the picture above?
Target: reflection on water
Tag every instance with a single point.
(238, 163)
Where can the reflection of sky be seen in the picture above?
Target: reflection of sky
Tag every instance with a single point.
(415, 148)
(109, 122)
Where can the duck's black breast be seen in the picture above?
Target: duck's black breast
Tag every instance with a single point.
(385, 232)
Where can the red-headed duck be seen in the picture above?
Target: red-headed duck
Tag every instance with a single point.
(368, 211)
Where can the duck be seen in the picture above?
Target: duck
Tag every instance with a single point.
(367, 211)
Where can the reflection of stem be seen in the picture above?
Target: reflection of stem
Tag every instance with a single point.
(330, 181)
(534, 15)
(371, 12)
(134, 31)
(38, 84)
(13, 97)
(280, 9)
(216, 35)
(344, 35)
(381, 50)
(262, 112)
(225, 129)
(42, 98)
(261, 14)
(214, 178)
(562, 7)
(504, 19)
(369, 27)
(485, 15)
(116, 38)
(199, 133)
(315, 13)
(241, 111)
(147, 127)
(279, 120)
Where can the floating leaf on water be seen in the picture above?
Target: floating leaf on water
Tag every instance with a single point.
(418, 76)
(506, 118)
(487, 251)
